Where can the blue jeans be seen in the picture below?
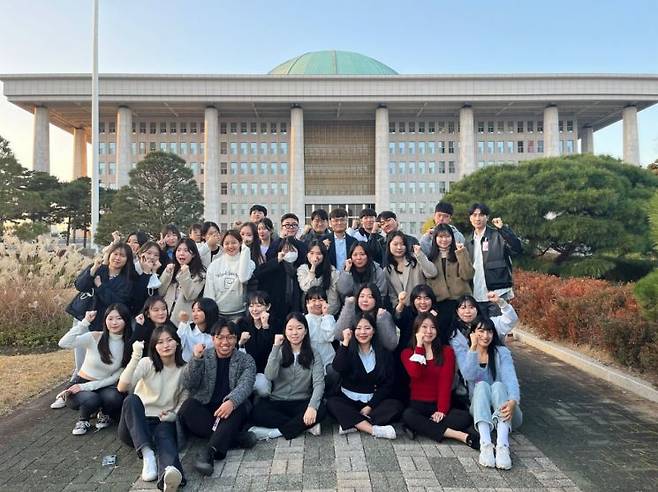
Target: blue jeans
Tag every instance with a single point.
(486, 402)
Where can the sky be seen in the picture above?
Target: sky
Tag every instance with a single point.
(252, 37)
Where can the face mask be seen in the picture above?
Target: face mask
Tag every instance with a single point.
(290, 257)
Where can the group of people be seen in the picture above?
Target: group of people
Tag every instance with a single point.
(253, 334)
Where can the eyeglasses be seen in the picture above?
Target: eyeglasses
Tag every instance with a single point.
(290, 226)
(225, 338)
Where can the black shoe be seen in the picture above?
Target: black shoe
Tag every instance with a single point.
(246, 440)
(473, 440)
(408, 432)
(205, 461)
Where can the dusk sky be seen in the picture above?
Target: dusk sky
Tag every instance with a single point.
(437, 37)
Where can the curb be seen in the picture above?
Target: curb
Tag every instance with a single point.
(591, 366)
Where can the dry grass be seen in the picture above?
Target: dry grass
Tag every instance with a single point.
(26, 376)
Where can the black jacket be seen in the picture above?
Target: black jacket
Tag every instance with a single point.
(497, 261)
(260, 343)
(349, 241)
(112, 290)
(354, 377)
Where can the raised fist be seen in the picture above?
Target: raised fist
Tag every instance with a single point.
(348, 264)
(244, 338)
(138, 349)
(197, 350)
(402, 297)
(90, 316)
(498, 222)
(265, 318)
(278, 340)
(459, 246)
(347, 336)
(417, 249)
(183, 316)
(169, 268)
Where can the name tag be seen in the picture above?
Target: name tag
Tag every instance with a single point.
(485, 246)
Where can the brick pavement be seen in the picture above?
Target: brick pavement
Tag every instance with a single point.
(612, 450)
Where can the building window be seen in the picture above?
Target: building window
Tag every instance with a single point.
(284, 168)
(253, 127)
(442, 167)
(263, 168)
(391, 148)
(421, 188)
(111, 168)
(500, 126)
(402, 186)
(531, 147)
(500, 147)
(263, 148)
(101, 148)
(234, 168)
(569, 146)
(421, 168)
(451, 147)
(243, 148)
(391, 127)
(412, 168)
(441, 146)
(222, 128)
(101, 127)
(401, 128)
(431, 146)
(263, 188)
(234, 148)
(253, 168)
(163, 146)
(490, 147)
(244, 168)
(183, 127)
(112, 148)
(284, 128)
(530, 126)
(510, 126)
(540, 146)
(519, 127)
(411, 147)
(263, 128)
(421, 148)
(234, 128)
(112, 126)
(560, 125)
(223, 148)
(441, 126)
(451, 167)
(570, 125)
(193, 148)
(273, 148)
(391, 188)
(391, 167)
(442, 186)
(401, 148)
(274, 188)
(284, 188)
(421, 127)
(234, 190)
(223, 168)
(510, 147)
(480, 147)
(101, 168)
(451, 127)
(283, 148)
(412, 127)
(540, 126)
(223, 206)
(402, 168)
(152, 128)
(490, 126)
(243, 127)
(172, 147)
(152, 146)
(431, 168)
(142, 127)
(273, 169)
(519, 147)
(142, 147)
(183, 148)
(431, 127)
(163, 127)
(193, 127)
(273, 128)
(243, 189)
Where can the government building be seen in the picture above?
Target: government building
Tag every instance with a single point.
(330, 129)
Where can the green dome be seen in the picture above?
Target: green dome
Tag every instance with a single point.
(332, 63)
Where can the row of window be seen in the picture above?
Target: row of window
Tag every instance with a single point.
(173, 127)
(449, 126)
(521, 146)
(255, 168)
(254, 148)
(197, 148)
(410, 168)
(510, 126)
(253, 189)
(422, 148)
(421, 187)
(420, 208)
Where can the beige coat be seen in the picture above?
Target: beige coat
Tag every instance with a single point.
(409, 278)
(180, 295)
(456, 280)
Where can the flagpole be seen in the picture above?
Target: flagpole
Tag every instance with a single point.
(94, 128)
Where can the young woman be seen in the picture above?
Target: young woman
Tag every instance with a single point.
(322, 330)
(136, 240)
(183, 280)
(488, 368)
(404, 269)
(265, 234)
(204, 316)
(147, 283)
(94, 389)
(249, 235)
(194, 233)
(154, 314)
(148, 416)
(209, 250)
(219, 380)
(368, 300)
(366, 371)
(317, 271)
(360, 269)
(257, 329)
(297, 376)
(227, 276)
(170, 236)
(454, 271)
(431, 369)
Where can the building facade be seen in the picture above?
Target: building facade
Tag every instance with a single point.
(330, 129)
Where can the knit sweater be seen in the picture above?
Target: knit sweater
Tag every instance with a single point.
(295, 382)
(93, 367)
(322, 332)
(430, 382)
(226, 281)
(160, 391)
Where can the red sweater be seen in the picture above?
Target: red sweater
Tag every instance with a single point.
(430, 382)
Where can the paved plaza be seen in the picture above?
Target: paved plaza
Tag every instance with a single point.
(579, 434)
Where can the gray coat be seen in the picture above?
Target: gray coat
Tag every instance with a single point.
(199, 376)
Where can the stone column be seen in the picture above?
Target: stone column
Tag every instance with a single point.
(211, 163)
(466, 141)
(551, 131)
(124, 137)
(587, 140)
(41, 143)
(631, 138)
(382, 198)
(79, 153)
(296, 189)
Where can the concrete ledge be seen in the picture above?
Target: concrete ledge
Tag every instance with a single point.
(618, 378)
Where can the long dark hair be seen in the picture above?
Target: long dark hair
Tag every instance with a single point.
(210, 310)
(141, 237)
(437, 345)
(353, 346)
(128, 270)
(170, 329)
(388, 261)
(305, 357)
(254, 247)
(417, 291)
(368, 273)
(323, 270)
(104, 341)
(150, 301)
(196, 266)
(435, 252)
(457, 323)
(379, 303)
(488, 325)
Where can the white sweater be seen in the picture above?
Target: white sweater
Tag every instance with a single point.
(189, 337)
(226, 281)
(93, 367)
(321, 330)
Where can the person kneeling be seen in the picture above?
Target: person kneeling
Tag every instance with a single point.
(431, 369)
(219, 380)
(297, 376)
(367, 379)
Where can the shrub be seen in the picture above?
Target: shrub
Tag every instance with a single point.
(646, 291)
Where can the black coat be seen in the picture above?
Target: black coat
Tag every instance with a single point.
(354, 377)
(260, 343)
(112, 291)
(349, 241)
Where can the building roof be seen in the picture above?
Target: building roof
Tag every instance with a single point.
(332, 62)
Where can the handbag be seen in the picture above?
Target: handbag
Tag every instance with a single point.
(81, 303)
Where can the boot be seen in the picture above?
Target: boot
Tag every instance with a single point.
(205, 462)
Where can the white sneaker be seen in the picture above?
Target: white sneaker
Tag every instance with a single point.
(265, 433)
(316, 430)
(149, 468)
(58, 403)
(172, 479)
(487, 457)
(342, 432)
(383, 431)
(503, 458)
(81, 428)
(103, 421)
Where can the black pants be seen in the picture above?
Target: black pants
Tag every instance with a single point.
(446, 310)
(285, 415)
(331, 381)
(137, 430)
(199, 420)
(346, 411)
(417, 417)
(107, 399)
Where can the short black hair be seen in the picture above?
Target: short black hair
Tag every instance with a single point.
(207, 225)
(444, 207)
(338, 213)
(320, 213)
(315, 292)
(289, 215)
(367, 212)
(223, 322)
(387, 214)
(258, 208)
(483, 209)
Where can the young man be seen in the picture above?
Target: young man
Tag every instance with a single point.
(256, 213)
(369, 233)
(338, 242)
(443, 213)
(491, 249)
(388, 222)
(319, 223)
